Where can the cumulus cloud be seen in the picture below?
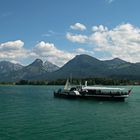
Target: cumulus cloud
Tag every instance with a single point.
(123, 41)
(14, 45)
(48, 51)
(99, 28)
(78, 26)
(12, 49)
(82, 51)
(76, 38)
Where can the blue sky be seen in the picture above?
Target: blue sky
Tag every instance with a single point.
(57, 30)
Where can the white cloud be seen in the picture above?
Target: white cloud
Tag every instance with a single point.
(99, 28)
(77, 38)
(123, 41)
(83, 51)
(14, 45)
(14, 51)
(78, 26)
(80, 50)
(48, 51)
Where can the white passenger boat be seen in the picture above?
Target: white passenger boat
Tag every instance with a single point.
(90, 92)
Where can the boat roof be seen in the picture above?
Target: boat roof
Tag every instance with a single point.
(103, 88)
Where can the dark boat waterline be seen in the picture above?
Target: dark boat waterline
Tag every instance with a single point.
(90, 97)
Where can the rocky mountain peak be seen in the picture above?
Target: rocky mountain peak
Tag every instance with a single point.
(49, 67)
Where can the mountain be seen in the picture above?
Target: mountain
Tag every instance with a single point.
(33, 71)
(85, 66)
(35, 67)
(116, 62)
(49, 67)
(81, 66)
(36, 70)
(23, 73)
(6, 67)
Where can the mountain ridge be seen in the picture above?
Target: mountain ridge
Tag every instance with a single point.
(85, 66)
(81, 66)
(30, 72)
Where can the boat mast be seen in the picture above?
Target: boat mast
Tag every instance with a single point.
(67, 85)
(85, 83)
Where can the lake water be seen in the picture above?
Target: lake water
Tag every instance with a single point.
(32, 113)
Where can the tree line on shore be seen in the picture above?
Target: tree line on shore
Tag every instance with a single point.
(76, 81)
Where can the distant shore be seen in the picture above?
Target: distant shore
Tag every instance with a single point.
(91, 81)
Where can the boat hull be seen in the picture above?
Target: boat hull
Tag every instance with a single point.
(91, 97)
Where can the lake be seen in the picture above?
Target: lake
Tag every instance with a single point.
(32, 113)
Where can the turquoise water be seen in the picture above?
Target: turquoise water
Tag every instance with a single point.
(31, 113)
